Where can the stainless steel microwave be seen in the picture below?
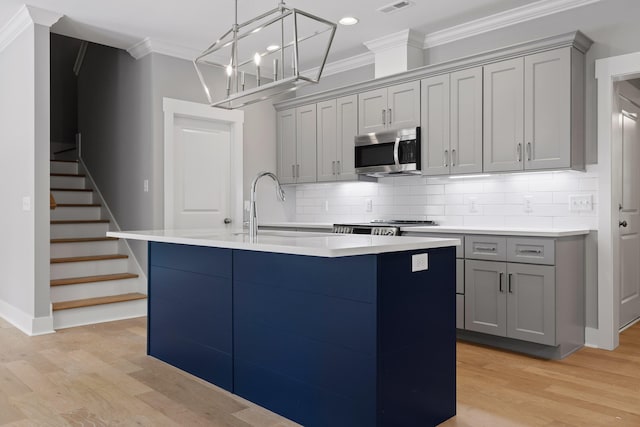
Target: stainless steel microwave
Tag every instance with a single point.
(388, 153)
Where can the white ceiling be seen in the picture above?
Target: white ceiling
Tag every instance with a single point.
(196, 23)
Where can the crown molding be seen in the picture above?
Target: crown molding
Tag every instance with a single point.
(402, 38)
(26, 16)
(342, 65)
(148, 45)
(517, 15)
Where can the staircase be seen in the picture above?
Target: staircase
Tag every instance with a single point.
(93, 279)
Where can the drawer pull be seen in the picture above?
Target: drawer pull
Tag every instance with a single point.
(500, 282)
(485, 248)
(510, 288)
(530, 251)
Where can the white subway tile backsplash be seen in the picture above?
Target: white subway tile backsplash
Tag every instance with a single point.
(497, 199)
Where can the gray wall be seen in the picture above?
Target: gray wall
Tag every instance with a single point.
(64, 89)
(122, 125)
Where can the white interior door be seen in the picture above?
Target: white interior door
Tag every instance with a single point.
(629, 215)
(203, 173)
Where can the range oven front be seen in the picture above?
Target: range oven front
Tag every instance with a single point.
(389, 152)
(379, 227)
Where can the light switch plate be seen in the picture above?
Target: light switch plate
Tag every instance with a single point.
(26, 203)
(419, 262)
(581, 203)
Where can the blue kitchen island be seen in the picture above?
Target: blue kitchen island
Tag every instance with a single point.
(326, 330)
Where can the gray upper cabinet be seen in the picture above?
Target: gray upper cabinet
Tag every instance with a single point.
(547, 110)
(393, 107)
(504, 116)
(296, 145)
(534, 112)
(466, 121)
(451, 119)
(286, 145)
(337, 126)
(435, 125)
(306, 143)
(327, 140)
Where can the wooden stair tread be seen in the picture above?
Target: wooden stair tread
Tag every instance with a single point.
(78, 205)
(73, 175)
(89, 302)
(93, 279)
(80, 221)
(83, 239)
(71, 189)
(64, 161)
(88, 258)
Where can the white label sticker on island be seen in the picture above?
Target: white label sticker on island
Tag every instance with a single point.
(419, 262)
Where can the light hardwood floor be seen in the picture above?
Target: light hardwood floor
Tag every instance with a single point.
(99, 375)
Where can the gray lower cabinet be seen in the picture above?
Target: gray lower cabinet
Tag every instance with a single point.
(511, 300)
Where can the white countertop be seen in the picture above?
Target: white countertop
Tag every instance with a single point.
(290, 242)
(499, 231)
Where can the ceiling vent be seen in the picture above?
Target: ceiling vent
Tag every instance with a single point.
(396, 6)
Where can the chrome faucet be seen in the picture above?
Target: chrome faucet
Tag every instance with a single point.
(253, 219)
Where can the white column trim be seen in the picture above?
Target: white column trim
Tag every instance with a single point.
(234, 118)
(26, 16)
(606, 335)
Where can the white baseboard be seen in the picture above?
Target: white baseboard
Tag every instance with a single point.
(28, 324)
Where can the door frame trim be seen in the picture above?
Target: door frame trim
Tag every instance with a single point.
(608, 71)
(234, 119)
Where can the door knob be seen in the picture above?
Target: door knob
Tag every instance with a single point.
(622, 224)
(227, 220)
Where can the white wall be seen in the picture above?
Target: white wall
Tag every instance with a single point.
(24, 170)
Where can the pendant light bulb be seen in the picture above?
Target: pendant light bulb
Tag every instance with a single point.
(229, 70)
(257, 58)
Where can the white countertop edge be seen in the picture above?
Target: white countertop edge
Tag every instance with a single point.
(499, 231)
(377, 245)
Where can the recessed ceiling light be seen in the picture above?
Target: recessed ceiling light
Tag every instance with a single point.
(272, 47)
(348, 20)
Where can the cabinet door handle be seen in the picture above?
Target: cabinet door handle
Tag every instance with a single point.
(389, 115)
(528, 151)
(501, 276)
(384, 117)
(338, 168)
(519, 152)
(333, 167)
(293, 171)
(297, 171)
(446, 158)
(510, 288)
(453, 157)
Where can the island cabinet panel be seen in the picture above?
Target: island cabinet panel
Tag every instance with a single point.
(190, 324)
(305, 336)
(346, 341)
(416, 379)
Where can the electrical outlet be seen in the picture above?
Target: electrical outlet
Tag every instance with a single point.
(473, 204)
(146, 185)
(369, 205)
(581, 203)
(26, 203)
(528, 204)
(419, 262)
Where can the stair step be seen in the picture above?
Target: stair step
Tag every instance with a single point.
(64, 161)
(92, 279)
(80, 221)
(84, 239)
(88, 258)
(78, 205)
(75, 175)
(76, 211)
(71, 189)
(88, 302)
